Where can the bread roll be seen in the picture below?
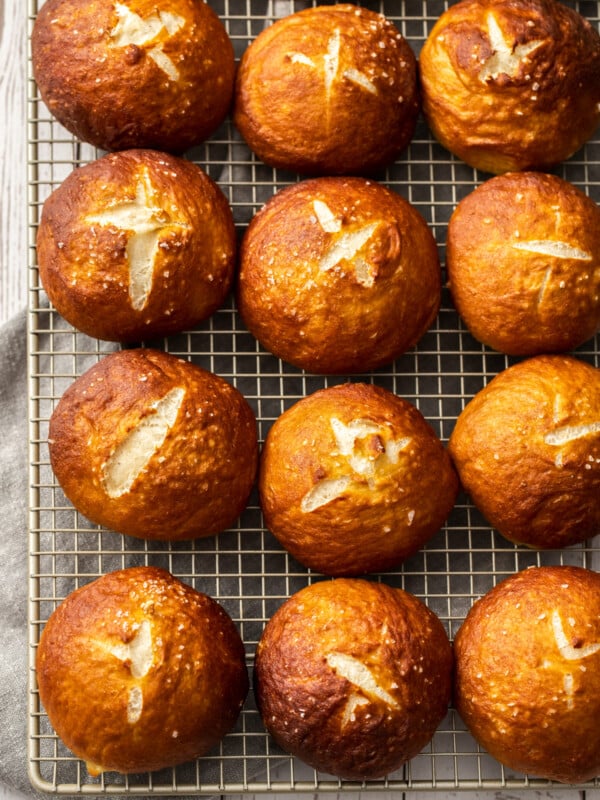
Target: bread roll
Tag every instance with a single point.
(153, 446)
(527, 450)
(133, 74)
(326, 91)
(353, 677)
(528, 672)
(354, 480)
(136, 245)
(338, 275)
(523, 261)
(138, 671)
(511, 84)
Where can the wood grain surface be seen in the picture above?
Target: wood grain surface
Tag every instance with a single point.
(13, 166)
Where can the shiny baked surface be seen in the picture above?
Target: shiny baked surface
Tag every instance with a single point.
(246, 568)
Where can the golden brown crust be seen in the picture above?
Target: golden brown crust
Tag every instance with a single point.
(353, 677)
(528, 672)
(511, 84)
(306, 80)
(338, 275)
(193, 480)
(138, 671)
(354, 480)
(121, 75)
(136, 245)
(527, 450)
(523, 261)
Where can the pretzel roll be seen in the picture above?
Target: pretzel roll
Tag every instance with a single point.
(527, 450)
(353, 677)
(338, 275)
(527, 680)
(354, 480)
(523, 262)
(155, 447)
(133, 74)
(511, 84)
(326, 91)
(138, 671)
(136, 245)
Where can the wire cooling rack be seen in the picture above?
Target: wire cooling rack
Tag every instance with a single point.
(244, 568)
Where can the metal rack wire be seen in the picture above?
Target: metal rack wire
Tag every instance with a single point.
(244, 568)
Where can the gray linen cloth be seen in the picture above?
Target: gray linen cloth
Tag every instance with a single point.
(13, 556)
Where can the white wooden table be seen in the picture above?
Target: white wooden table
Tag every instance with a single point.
(14, 257)
(13, 167)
